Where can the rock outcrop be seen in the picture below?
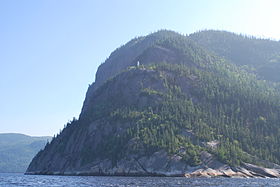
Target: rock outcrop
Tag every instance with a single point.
(162, 164)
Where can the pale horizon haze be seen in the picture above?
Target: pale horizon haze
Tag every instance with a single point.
(50, 50)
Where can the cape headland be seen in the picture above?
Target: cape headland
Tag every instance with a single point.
(166, 104)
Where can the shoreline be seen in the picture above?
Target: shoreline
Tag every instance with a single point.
(207, 173)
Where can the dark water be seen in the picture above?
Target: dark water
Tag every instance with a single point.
(7, 179)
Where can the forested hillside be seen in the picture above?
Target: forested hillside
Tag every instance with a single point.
(183, 109)
(17, 151)
(261, 56)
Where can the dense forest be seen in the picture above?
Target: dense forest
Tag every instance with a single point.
(203, 92)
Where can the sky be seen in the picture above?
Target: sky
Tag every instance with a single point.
(50, 49)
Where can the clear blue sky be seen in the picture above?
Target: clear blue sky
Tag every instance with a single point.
(50, 49)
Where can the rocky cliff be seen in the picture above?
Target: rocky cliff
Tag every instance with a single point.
(182, 112)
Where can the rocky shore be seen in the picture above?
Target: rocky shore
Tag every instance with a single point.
(161, 164)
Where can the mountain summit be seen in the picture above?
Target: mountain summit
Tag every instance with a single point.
(173, 105)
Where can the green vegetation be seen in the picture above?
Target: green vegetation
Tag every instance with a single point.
(180, 98)
(17, 150)
(256, 55)
(232, 107)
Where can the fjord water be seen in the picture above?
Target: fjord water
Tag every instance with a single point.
(16, 179)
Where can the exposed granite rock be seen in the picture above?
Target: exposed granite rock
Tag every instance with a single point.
(162, 164)
(128, 55)
(146, 50)
(274, 173)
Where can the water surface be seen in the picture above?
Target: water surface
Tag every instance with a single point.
(12, 179)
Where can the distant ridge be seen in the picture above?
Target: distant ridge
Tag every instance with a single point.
(261, 56)
(17, 150)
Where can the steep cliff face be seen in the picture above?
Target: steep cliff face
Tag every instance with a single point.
(182, 112)
(162, 46)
